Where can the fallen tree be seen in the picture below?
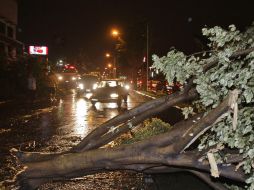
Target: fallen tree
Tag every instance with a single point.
(220, 85)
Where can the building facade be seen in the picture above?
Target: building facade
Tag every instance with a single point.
(9, 45)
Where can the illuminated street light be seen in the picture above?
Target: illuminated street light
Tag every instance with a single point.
(115, 33)
(109, 65)
(108, 55)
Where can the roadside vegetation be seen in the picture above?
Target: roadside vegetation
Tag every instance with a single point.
(14, 76)
(149, 128)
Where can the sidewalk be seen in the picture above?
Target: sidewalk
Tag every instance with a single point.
(22, 103)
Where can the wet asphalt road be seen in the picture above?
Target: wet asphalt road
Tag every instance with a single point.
(58, 127)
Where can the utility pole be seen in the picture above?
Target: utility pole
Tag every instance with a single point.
(147, 55)
(114, 67)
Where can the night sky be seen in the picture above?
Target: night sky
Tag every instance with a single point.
(69, 27)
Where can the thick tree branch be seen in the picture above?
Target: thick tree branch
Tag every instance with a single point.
(210, 63)
(207, 122)
(207, 178)
(117, 158)
(172, 100)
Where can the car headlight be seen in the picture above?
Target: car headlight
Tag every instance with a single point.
(127, 87)
(81, 86)
(60, 78)
(95, 86)
(74, 78)
(114, 95)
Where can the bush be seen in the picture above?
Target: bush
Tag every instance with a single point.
(149, 128)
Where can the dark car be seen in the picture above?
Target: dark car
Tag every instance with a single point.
(86, 83)
(110, 90)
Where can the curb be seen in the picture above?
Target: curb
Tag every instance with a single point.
(152, 97)
(143, 94)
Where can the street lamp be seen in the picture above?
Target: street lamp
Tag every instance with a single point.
(119, 47)
(115, 33)
(109, 65)
(147, 55)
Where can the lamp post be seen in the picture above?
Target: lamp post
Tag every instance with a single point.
(116, 34)
(147, 55)
(111, 71)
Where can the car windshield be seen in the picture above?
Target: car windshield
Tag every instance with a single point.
(89, 78)
(70, 70)
(109, 83)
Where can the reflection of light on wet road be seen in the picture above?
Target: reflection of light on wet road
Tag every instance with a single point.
(101, 106)
(81, 114)
(60, 108)
(109, 110)
(77, 117)
(112, 105)
(112, 113)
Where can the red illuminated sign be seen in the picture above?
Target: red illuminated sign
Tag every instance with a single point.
(38, 50)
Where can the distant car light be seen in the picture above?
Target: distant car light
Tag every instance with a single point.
(88, 95)
(74, 78)
(114, 95)
(60, 78)
(127, 87)
(95, 86)
(81, 86)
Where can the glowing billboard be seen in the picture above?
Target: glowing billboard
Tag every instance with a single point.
(38, 50)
